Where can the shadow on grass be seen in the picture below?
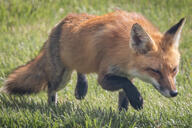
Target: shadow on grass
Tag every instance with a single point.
(71, 115)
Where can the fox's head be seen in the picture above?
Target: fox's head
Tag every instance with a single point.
(157, 57)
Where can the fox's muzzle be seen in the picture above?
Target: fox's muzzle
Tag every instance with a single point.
(167, 93)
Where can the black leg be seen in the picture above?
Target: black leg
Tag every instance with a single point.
(81, 87)
(123, 101)
(112, 83)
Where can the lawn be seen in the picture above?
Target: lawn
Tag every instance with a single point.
(24, 27)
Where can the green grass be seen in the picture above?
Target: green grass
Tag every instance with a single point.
(24, 27)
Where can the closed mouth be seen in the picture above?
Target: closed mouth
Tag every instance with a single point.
(163, 91)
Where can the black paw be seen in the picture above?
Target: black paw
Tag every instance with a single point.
(136, 102)
(81, 87)
(134, 96)
(123, 101)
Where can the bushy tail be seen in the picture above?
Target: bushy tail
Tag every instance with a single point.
(27, 79)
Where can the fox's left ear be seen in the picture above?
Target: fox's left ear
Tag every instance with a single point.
(173, 34)
(140, 41)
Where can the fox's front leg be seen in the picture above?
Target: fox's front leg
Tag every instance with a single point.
(113, 83)
(123, 101)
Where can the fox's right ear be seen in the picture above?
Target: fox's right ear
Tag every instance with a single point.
(172, 36)
(140, 41)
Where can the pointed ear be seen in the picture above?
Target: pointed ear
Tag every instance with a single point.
(140, 41)
(173, 34)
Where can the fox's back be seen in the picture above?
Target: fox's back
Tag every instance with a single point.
(87, 39)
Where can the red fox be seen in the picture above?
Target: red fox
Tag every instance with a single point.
(118, 47)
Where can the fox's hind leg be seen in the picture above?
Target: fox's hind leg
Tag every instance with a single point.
(57, 83)
(81, 86)
(52, 95)
(65, 79)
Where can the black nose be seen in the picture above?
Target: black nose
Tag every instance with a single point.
(173, 93)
